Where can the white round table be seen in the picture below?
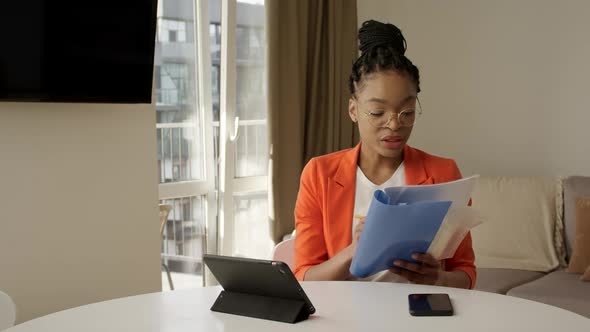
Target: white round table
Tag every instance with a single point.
(341, 306)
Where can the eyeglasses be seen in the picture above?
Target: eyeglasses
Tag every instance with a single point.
(405, 118)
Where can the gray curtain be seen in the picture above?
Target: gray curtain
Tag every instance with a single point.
(311, 48)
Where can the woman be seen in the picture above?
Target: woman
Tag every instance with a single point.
(336, 189)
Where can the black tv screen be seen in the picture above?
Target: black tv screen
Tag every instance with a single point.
(77, 50)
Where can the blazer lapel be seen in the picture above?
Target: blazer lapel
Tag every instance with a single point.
(340, 202)
(414, 168)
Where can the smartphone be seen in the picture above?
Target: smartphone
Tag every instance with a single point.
(430, 305)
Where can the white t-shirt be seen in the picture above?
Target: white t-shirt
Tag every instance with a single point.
(362, 199)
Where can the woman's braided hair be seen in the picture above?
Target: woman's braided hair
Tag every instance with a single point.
(382, 47)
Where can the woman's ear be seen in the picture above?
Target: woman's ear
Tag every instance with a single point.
(352, 109)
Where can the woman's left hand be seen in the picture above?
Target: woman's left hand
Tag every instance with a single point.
(429, 272)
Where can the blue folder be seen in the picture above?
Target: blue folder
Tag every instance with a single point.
(395, 231)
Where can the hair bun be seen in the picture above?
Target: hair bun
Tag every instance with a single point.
(373, 34)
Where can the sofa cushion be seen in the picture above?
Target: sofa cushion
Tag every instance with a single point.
(502, 280)
(580, 258)
(522, 223)
(560, 289)
(573, 187)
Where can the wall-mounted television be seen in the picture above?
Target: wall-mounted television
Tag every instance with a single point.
(89, 51)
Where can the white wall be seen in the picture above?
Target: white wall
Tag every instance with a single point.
(78, 202)
(505, 84)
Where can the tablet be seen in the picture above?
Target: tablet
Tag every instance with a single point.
(258, 277)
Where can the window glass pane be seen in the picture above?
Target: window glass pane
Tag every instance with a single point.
(215, 48)
(251, 236)
(215, 90)
(179, 125)
(251, 150)
(169, 29)
(215, 53)
(183, 241)
(252, 142)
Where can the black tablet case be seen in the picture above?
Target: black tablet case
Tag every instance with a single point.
(258, 288)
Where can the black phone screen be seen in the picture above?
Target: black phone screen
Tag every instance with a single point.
(430, 305)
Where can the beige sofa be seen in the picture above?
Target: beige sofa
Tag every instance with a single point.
(522, 249)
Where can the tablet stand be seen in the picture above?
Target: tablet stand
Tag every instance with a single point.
(259, 306)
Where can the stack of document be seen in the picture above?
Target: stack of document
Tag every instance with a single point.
(404, 220)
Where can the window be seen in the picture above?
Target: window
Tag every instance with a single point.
(245, 156)
(215, 182)
(171, 30)
(173, 84)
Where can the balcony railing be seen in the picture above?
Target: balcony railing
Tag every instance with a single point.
(183, 240)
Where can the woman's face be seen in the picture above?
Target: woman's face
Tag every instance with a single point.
(380, 97)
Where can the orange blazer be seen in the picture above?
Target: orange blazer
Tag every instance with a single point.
(325, 204)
